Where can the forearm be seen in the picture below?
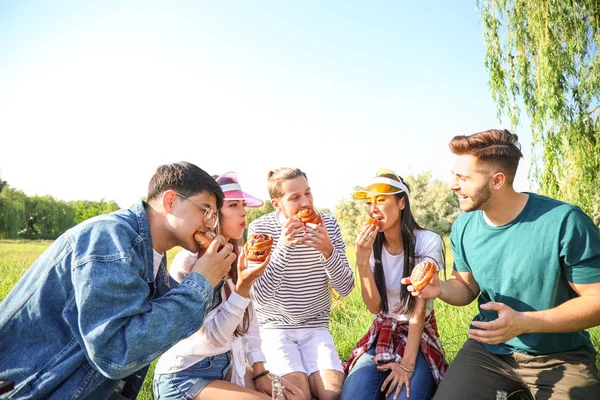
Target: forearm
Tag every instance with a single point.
(456, 293)
(219, 330)
(415, 331)
(149, 328)
(574, 315)
(368, 288)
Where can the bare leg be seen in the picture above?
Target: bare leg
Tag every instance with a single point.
(219, 390)
(326, 384)
(300, 381)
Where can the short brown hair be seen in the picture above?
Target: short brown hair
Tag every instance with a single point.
(494, 148)
(277, 176)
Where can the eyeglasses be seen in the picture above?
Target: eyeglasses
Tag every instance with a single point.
(210, 218)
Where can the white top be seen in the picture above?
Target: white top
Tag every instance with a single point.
(216, 337)
(157, 260)
(428, 246)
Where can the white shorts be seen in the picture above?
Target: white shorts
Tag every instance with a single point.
(304, 350)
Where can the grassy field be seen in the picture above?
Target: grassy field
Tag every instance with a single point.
(349, 320)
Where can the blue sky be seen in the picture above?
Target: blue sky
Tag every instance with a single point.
(93, 97)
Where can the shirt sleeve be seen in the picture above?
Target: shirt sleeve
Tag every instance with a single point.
(337, 267)
(252, 341)
(219, 330)
(456, 246)
(182, 264)
(580, 248)
(268, 284)
(123, 329)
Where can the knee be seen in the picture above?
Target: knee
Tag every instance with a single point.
(329, 395)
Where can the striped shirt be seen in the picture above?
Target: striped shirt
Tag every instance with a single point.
(293, 292)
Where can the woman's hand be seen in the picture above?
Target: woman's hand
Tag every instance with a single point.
(364, 243)
(292, 232)
(263, 385)
(397, 378)
(247, 276)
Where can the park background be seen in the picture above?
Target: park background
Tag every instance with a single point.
(94, 96)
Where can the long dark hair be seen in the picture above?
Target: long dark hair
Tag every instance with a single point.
(241, 329)
(408, 226)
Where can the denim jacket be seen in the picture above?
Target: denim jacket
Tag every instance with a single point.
(89, 311)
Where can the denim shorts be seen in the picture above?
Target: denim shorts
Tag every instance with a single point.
(188, 383)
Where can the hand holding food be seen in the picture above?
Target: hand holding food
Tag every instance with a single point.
(205, 239)
(308, 216)
(422, 274)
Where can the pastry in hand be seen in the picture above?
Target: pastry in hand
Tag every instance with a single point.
(370, 221)
(205, 239)
(258, 247)
(308, 216)
(422, 274)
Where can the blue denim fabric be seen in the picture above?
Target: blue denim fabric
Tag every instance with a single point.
(89, 312)
(188, 383)
(364, 381)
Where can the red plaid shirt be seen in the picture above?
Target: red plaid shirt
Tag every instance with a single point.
(391, 336)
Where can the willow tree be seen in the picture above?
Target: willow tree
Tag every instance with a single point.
(543, 56)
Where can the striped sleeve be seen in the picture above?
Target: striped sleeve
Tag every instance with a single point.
(336, 266)
(270, 282)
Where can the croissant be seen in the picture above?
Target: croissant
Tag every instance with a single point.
(422, 274)
(370, 221)
(258, 247)
(308, 215)
(205, 239)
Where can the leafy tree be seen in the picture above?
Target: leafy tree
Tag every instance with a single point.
(433, 204)
(351, 215)
(254, 213)
(543, 55)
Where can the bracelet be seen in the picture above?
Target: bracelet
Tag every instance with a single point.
(410, 371)
(265, 372)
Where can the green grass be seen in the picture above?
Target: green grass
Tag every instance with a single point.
(350, 318)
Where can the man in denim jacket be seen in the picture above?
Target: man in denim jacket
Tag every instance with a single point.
(98, 304)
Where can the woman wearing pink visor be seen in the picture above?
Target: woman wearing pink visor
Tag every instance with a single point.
(401, 355)
(211, 363)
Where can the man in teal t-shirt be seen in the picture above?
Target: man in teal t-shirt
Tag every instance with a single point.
(533, 263)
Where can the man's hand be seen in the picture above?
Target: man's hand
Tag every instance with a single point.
(509, 324)
(316, 236)
(247, 276)
(215, 264)
(430, 291)
(292, 233)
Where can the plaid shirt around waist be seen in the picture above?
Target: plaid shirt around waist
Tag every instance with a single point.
(390, 336)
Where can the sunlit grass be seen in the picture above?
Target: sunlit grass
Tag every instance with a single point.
(350, 318)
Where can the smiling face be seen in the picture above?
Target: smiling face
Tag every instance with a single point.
(232, 219)
(472, 184)
(387, 208)
(296, 196)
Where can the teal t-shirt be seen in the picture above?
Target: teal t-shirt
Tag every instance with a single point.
(528, 263)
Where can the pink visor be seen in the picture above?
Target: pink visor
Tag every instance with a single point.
(233, 191)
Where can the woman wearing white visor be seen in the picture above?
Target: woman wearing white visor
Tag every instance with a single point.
(401, 354)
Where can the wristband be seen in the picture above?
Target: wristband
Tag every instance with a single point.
(265, 372)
